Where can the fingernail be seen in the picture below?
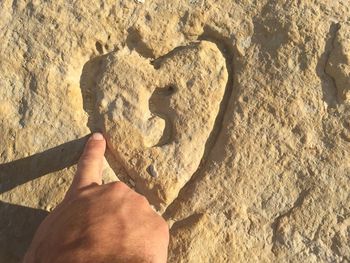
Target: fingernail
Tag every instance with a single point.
(97, 136)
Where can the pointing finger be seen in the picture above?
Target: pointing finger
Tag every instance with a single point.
(90, 164)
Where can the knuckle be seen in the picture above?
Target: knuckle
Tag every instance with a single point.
(85, 193)
(142, 200)
(119, 187)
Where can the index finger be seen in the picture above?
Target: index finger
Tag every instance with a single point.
(90, 164)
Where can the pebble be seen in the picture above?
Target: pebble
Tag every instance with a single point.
(60, 181)
(133, 161)
(152, 171)
(49, 208)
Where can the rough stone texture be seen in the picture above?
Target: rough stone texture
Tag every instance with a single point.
(273, 182)
(338, 66)
(160, 151)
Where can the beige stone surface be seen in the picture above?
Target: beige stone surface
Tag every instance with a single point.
(338, 66)
(272, 182)
(157, 118)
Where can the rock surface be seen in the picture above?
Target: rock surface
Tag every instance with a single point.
(157, 121)
(338, 66)
(273, 180)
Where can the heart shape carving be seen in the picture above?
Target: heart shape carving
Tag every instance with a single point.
(157, 116)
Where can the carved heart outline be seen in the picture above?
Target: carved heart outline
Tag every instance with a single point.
(157, 117)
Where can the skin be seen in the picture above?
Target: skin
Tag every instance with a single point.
(99, 223)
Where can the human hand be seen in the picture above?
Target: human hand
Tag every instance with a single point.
(99, 223)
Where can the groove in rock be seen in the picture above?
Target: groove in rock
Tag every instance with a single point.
(227, 50)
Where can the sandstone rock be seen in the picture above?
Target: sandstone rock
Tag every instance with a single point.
(157, 118)
(339, 62)
(272, 184)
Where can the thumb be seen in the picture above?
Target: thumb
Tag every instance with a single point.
(90, 164)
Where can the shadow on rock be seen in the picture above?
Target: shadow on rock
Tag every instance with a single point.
(18, 172)
(17, 228)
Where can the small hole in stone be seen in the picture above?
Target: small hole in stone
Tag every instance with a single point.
(159, 105)
(166, 91)
(171, 89)
(148, 17)
(99, 47)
